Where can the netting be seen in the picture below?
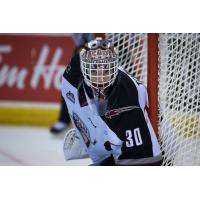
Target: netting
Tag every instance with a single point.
(179, 89)
(132, 51)
(179, 98)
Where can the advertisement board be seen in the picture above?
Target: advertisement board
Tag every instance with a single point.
(31, 68)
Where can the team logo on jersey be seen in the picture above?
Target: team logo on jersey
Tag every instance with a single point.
(82, 128)
(70, 96)
(117, 111)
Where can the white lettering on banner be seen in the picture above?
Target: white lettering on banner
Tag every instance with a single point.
(5, 48)
(45, 71)
(13, 76)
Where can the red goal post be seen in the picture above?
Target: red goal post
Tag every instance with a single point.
(152, 81)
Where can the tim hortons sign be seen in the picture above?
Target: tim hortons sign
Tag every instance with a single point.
(31, 66)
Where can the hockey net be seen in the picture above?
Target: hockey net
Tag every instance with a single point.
(178, 91)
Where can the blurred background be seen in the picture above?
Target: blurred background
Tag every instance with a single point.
(31, 68)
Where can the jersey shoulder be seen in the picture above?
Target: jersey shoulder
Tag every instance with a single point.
(128, 78)
(124, 92)
(131, 89)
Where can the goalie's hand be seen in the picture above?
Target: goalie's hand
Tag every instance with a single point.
(72, 147)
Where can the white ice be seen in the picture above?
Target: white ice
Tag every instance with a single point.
(31, 146)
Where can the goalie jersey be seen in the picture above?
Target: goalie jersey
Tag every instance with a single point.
(124, 135)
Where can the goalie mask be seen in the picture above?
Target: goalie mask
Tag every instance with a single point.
(99, 66)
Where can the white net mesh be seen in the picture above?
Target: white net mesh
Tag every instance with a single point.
(179, 98)
(179, 89)
(132, 51)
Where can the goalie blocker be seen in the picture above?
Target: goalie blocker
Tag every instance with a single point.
(108, 108)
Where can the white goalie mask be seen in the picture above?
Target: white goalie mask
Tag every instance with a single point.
(99, 66)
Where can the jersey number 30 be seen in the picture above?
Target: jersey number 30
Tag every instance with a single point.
(133, 138)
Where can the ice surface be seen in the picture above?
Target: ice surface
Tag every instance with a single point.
(33, 146)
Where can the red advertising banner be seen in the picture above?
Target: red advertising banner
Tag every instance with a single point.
(31, 66)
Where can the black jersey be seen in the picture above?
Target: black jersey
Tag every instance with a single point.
(124, 133)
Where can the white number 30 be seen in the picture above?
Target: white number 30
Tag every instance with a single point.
(133, 138)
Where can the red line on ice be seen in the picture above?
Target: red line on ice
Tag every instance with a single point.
(13, 158)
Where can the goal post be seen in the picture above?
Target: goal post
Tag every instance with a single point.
(152, 78)
(169, 65)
